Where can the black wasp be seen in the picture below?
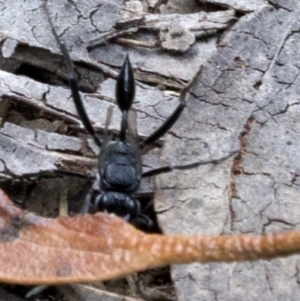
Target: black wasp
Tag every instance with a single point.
(119, 161)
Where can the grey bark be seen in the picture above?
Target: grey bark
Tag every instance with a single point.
(243, 6)
(246, 95)
(245, 98)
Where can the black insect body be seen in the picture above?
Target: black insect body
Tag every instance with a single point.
(120, 175)
(119, 160)
(120, 179)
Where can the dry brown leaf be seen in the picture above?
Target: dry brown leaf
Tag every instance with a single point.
(88, 248)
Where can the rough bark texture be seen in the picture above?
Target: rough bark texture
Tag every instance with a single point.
(243, 6)
(244, 98)
(247, 96)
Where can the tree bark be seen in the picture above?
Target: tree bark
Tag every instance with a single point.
(244, 98)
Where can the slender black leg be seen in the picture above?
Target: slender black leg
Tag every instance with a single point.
(165, 127)
(170, 168)
(50, 173)
(73, 85)
(143, 222)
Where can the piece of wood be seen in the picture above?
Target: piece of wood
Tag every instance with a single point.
(246, 97)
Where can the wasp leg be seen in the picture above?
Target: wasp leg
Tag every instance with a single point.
(143, 222)
(166, 126)
(48, 173)
(170, 168)
(74, 87)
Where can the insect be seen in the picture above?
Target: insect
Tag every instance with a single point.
(119, 161)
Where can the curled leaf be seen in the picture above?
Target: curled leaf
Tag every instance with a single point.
(88, 248)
